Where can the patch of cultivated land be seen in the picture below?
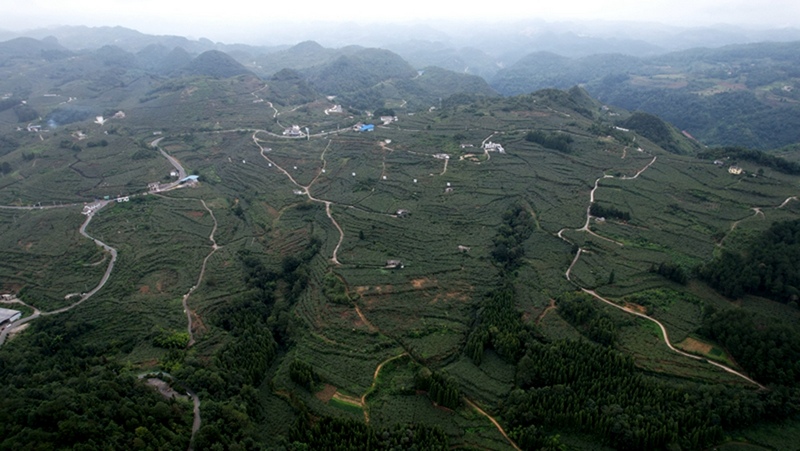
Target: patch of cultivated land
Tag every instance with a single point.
(412, 281)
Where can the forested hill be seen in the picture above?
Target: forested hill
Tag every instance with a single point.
(768, 266)
(743, 95)
(360, 70)
(214, 63)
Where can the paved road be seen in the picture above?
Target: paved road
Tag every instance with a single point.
(172, 160)
(197, 421)
(84, 297)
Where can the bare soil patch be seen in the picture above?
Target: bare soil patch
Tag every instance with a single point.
(195, 214)
(419, 283)
(14, 332)
(457, 295)
(144, 289)
(271, 210)
(12, 287)
(197, 323)
(326, 393)
(695, 346)
(636, 308)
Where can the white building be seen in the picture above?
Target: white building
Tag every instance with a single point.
(294, 130)
(493, 147)
(9, 316)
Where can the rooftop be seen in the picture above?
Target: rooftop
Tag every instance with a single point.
(7, 314)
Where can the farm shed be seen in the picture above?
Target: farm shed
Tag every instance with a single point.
(9, 316)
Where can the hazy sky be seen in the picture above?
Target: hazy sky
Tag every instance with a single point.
(234, 19)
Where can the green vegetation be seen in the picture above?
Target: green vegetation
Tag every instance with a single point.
(303, 374)
(671, 271)
(596, 389)
(555, 141)
(767, 266)
(442, 389)
(350, 435)
(306, 332)
(737, 95)
(654, 129)
(770, 352)
(175, 340)
(59, 392)
(602, 211)
(581, 312)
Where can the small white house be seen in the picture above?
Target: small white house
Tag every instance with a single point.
(493, 147)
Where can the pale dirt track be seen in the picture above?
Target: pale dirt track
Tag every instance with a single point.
(664, 333)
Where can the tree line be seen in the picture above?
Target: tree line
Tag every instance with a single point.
(767, 267)
(580, 310)
(350, 435)
(755, 156)
(579, 385)
(768, 351)
(555, 141)
(62, 393)
(258, 330)
(602, 211)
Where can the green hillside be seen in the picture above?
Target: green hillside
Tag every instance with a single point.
(735, 95)
(489, 273)
(214, 63)
(360, 70)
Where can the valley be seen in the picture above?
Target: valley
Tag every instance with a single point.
(484, 272)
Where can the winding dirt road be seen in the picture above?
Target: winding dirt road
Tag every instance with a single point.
(666, 337)
(185, 300)
(197, 421)
(36, 313)
(113, 252)
(788, 199)
(494, 422)
(307, 191)
(374, 383)
(592, 293)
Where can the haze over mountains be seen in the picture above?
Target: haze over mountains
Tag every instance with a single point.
(723, 85)
(400, 239)
(504, 40)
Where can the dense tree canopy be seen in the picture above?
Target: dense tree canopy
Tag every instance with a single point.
(769, 266)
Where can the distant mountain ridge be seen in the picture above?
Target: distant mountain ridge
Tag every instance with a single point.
(735, 95)
(745, 94)
(361, 78)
